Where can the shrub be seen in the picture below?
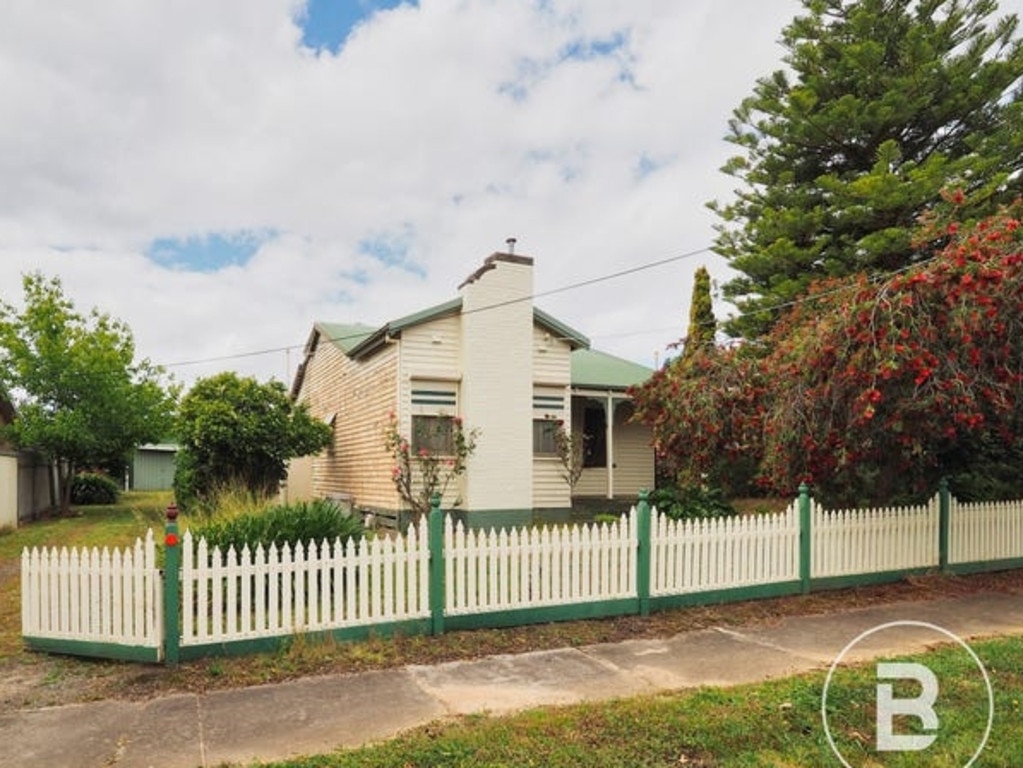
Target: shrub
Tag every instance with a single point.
(691, 502)
(93, 488)
(280, 524)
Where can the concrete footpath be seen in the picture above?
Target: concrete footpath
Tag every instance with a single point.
(317, 715)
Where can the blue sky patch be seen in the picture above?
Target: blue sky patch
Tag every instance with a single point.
(596, 48)
(529, 71)
(326, 24)
(391, 250)
(207, 253)
(647, 165)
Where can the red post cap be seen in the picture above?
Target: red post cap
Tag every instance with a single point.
(172, 511)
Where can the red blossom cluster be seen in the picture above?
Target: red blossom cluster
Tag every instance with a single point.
(867, 387)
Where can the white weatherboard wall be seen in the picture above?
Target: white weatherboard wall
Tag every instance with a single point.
(497, 383)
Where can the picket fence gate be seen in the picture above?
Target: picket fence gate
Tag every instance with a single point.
(94, 602)
(440, 575)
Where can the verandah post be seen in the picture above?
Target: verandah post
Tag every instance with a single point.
(435, 533)
(944, 523)
(643, 556)
(805, 538)
(171, 587)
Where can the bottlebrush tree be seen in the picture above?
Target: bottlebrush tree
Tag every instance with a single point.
(870, 388)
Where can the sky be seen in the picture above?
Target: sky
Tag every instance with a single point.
(220, 174)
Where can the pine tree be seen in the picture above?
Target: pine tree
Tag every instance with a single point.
(884, 105)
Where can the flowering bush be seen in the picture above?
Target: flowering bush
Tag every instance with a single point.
(420, 473)
(869, 388)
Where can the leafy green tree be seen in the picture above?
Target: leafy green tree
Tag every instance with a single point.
(82, 399)
(883, 104)
(238, 431)
(702, 324)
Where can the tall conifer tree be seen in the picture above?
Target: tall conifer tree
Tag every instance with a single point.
(882, 107)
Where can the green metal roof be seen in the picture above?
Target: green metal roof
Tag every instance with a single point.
(565, 332)
(598, 370)
(344, 336)
(425, 315)
(357, 339)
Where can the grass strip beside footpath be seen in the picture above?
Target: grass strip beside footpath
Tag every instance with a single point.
(775, 724)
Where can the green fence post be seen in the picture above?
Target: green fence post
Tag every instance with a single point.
(643, 556)
(171, 587)
(944, 523)
(435, 531)
(805, 539)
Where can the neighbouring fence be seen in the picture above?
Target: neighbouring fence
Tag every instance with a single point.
(439, 575)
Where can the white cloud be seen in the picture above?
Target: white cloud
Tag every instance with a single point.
(445, 127)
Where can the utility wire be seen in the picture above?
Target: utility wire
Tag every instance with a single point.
(486, 308)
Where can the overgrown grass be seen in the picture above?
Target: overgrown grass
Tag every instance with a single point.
(774, 724)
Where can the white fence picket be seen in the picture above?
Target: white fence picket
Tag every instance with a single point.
(501, 570)
(278, 591)
(848, 542)
(93, 595)
(985, 531)
(723, 553)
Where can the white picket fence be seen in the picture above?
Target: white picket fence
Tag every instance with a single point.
(102, 596)
(93, 595)
(847, 542)
(985, 531)
(501, 569)
(723, 553)
(282, 590)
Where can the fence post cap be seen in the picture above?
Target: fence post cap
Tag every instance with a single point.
(172, 512)
(804, 488)
(943, 483)
(435, 500)
(644, 494)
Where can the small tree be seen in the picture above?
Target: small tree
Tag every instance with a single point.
(571, 450)
(236, 430)
(702, 324)
(419, 474)
(82, 399)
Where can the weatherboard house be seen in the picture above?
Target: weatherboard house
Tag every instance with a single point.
(507, 369)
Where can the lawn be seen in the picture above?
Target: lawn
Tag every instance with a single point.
(775, 724)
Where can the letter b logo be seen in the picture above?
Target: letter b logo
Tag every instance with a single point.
(909, 715)
(921, 707)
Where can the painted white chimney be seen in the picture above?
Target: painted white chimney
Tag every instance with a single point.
(497, 383)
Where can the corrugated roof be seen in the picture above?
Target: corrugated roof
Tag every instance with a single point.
(599, 370)
(357, 339)
(345, 336)
(563, 331)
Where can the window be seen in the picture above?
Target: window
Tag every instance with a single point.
(435, 434)
(544, 442)
(595, 436)
(434, 404)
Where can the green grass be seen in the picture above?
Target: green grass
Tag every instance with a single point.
(774, 724)
(114, 525)
(111, 525)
